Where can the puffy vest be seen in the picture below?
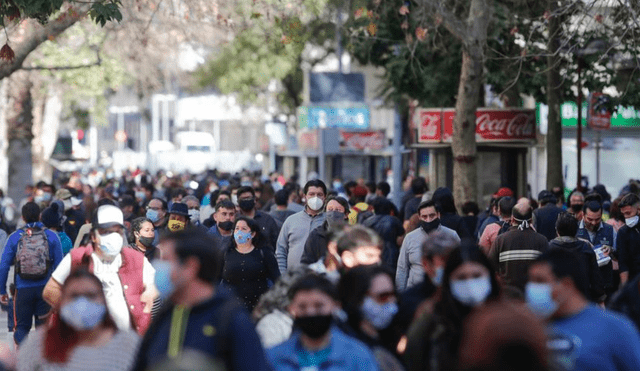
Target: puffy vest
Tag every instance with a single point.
(130, 274)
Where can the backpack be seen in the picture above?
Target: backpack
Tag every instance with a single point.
(32, 255)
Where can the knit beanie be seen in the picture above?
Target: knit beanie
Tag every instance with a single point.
(50, 217)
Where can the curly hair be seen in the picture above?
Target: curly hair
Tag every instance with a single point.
(136, 226)
(277, 296)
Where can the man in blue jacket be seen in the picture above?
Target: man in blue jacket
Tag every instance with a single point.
(316, 344)
(199, 316)
(28, 297)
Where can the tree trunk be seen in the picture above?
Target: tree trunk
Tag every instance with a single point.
(465, 177)
(554, 82)
(19, 118)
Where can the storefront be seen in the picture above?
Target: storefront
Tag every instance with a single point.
(503, 138)
(352, 142)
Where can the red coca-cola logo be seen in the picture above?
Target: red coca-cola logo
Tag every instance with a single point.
(497, 124)
(429, 129)
(520, 125)
(371, 140)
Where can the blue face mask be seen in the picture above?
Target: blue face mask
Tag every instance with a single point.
(83, 314)
(471, 292)
(163, 278)
(539, 300)
(437, 279)
(153, 215)
(379, 315)
(242, 237)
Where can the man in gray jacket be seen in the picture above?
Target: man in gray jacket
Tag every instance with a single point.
(297, 227)
(410, 270)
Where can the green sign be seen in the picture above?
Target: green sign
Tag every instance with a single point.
(624, 117)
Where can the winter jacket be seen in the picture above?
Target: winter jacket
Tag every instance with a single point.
(316, 246)
(628, 245)
(545, 220)
(513, 251)
(605, 235)
(389, 228)
(347, 354)
(585, 250)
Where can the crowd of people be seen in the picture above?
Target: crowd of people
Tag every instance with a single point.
(240, 272)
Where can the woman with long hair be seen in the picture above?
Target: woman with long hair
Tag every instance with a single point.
(434, 338)
(369, 298)
(249, 265)
(83, 336)
(142, 235)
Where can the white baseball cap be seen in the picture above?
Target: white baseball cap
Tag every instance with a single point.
(108, 216)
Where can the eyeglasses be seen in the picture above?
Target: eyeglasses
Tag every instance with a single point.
(154, 208)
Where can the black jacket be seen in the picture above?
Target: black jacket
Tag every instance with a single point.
(389, 228)
(545, 220)
(585, 250)
(628, 245)
(627, 301)
(316, 246)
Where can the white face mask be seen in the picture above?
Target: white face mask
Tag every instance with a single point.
(194, 215)
(631, 222)
(111, 244)
(471, 292)
(315, 203)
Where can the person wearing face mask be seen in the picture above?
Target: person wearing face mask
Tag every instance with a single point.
(83, 336)
(249, 264)
(435, 252)
(628, 240)
(316, 343)
(295, 230)
(582, 335)
(157, 213)
(268, 226)
(410, 271)
(222, 230)
(199, 315)
(469, 281)
(368, 297)
(178, 217)
(194, 211)
(28, 298)
(126, 274)
(336, 211)
(142, 235)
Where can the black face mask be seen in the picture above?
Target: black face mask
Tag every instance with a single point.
(226, 226)
(247, 205)
(576, 208)
(334, 217)
(314, 326)
(431, 226)
(146, 241)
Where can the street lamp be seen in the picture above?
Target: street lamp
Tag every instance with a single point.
(595, 46)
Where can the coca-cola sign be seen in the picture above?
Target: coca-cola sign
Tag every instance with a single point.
(429, 124)
(497, 124)
(363, 140)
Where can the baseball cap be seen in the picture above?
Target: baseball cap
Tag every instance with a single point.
(107, 216)
(503, 192)
(66, 196)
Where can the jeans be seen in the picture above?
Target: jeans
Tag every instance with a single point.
(28, 303)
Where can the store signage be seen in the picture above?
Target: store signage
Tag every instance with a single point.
(624, 117)
(308, 141)
(599, 118)
(429, 124)
(363, 140)
(496, 124)
(334, 117)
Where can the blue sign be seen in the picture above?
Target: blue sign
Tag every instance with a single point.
(342, 118)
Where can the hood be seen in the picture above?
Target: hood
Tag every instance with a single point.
(443, 197)
(570, 243)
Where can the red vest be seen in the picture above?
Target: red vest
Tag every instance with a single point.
(130, 274)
